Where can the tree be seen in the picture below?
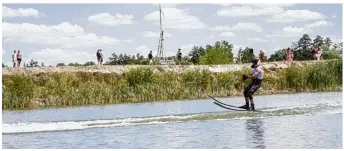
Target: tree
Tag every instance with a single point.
(247, 55)
(328, 42)
(186, 60)
(42, 65)
(33, 63)
(338, 47)
(303, 48)
(318, 41)
(74, 64)
(140, 59)
(279, 55)
(89, 63)
(196, 53)
(330, 53)
(220, 53)
(239, 55)
(114, 60)
(3, 65)
(216, 57)
(60, 64)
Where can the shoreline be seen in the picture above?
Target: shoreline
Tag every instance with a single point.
(120, 69)
(143, 84)
(160, 101)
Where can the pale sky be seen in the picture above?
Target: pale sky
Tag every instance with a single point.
(53, 33)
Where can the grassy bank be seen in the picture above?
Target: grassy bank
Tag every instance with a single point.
(141, 85)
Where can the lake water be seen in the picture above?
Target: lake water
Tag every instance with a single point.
(293, 121)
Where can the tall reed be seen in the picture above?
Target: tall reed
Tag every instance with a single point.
(143, 85)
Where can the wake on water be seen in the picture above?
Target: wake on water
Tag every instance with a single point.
(306, 109)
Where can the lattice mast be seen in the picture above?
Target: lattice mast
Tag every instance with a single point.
(161, 54)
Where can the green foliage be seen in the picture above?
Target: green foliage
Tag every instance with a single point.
(303, 48)
(220, 53)
(33, 63)
(278, 56)
(60, 64)
(332, 54)
(74, 64)
(328, 42)
(213, 57)
(196, 53)
(124, 59)
(139, 76)
(318, 41)
(20, 91)
(142, 85)
(198, 79)
(247, 55)
(89, 63)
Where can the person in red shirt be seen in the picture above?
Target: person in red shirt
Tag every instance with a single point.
(314, 53)
(261, 56)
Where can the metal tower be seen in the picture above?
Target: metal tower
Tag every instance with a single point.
(161, 54)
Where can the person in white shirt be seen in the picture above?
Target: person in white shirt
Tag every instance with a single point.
(257, 77)
(14, 58)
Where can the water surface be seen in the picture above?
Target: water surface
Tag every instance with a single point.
(304, 120)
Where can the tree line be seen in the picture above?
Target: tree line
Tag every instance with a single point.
(303, 49)
(222, 53)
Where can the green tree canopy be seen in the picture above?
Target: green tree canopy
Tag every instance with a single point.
(220, 53)
(279, 55)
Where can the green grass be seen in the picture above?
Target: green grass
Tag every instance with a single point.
(143, 85)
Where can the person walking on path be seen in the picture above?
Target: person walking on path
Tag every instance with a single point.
(150, 57)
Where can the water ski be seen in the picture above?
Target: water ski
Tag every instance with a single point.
(229, 107)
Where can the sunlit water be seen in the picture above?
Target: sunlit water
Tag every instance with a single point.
(304, 120)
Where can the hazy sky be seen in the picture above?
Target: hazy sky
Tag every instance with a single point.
(53, 33)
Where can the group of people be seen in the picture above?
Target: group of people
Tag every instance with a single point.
(16, 58)
(150, 57)
(317, 53)
(179, 57)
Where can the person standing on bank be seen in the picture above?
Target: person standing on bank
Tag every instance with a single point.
(179, 57)
(257, 77)
(19, 58)
(261, 56)
(150, 57)
(100, 56)
(14, 58)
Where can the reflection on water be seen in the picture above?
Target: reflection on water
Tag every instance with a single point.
(255, 133)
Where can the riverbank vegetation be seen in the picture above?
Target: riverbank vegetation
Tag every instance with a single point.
(143, 85)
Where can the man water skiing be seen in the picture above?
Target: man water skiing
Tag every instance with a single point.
(257, 77)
